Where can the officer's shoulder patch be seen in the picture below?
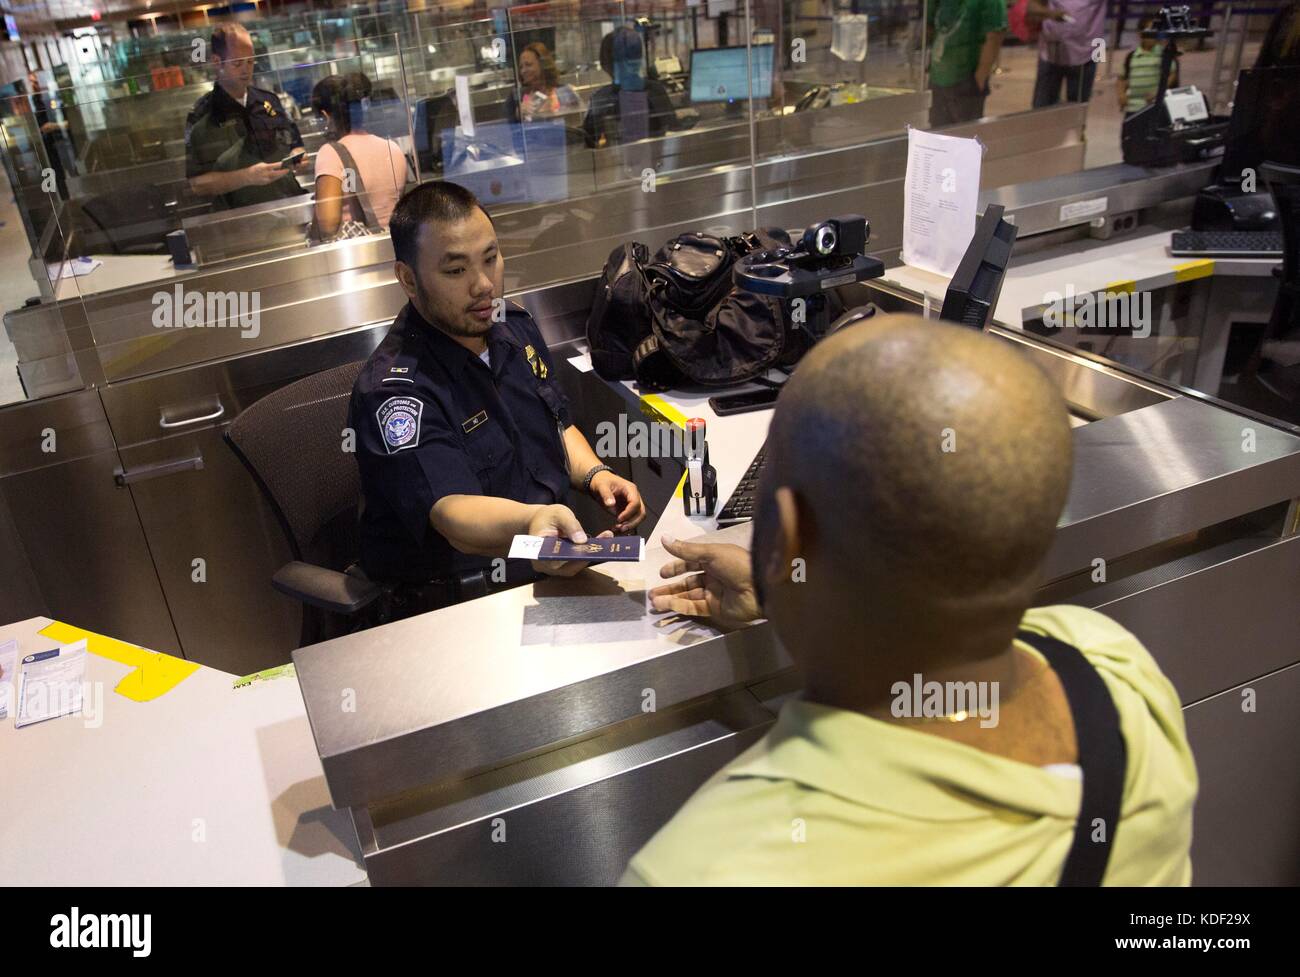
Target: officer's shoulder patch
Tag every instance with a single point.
(399, 422)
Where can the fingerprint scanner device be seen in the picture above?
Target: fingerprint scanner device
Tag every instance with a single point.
(827, 256)
(700, 490)
(1177, 127)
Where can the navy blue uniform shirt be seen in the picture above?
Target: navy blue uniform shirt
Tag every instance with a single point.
(432, 419)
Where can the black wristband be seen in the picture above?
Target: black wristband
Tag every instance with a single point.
(586, 482)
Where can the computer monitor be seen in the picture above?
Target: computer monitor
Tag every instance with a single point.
(1264, 113)
(718, 74)
(973, 292)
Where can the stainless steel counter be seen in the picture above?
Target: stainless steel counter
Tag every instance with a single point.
(538, 712)
(530, 706)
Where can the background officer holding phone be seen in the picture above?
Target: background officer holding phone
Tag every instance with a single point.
(238, 136)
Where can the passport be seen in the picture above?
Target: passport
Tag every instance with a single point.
(616, 548)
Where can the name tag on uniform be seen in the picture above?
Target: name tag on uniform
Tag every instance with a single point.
(470, 423)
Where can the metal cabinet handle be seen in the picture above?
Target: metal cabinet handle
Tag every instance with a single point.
(161, 469)
(167, 425)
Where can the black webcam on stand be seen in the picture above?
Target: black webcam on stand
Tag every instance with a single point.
(828, 255)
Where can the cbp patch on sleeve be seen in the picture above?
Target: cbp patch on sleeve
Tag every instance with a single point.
(399, 422)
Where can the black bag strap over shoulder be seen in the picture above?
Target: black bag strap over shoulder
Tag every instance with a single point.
(362, 197)
(1103, 758)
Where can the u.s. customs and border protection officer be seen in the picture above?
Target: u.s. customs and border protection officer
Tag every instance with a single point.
(463, 435)
(236, 135)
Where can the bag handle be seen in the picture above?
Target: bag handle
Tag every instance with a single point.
(1103, 758)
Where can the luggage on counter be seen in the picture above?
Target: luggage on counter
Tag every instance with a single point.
(678, 318)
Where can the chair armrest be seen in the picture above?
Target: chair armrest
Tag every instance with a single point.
(326, 589)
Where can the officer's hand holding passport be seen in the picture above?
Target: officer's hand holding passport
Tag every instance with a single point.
(559, 520)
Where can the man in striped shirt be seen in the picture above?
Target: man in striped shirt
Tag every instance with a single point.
(1140, 79)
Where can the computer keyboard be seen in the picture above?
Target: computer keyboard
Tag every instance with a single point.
(1227, 244)
(740, 507)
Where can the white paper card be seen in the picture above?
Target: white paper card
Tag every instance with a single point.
(940, 194)
(51, 684)
(8, 678)
(525, 547)
(581, 362)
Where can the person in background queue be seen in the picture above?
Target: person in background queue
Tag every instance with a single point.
(237, 136)
(1070, 45)
(920, 562)
(464, 438)
(966, 41)
(1139, 79)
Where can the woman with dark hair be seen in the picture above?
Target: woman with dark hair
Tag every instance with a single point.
(540, 93)
(359, 176)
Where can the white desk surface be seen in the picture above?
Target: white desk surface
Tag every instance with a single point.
(128, 802)
(119, 271)
(1089, 265)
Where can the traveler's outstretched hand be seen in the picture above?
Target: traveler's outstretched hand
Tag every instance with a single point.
(719, 586)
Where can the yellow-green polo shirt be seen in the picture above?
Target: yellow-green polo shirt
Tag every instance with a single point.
(830, 796)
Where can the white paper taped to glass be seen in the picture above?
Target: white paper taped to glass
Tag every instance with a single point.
(940, 194)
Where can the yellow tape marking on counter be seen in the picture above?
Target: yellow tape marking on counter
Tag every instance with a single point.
(153, 672)
(656, 406)
(1127, 286)
(1189, 271)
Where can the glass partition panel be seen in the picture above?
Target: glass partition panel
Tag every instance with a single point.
(214, 215)
(844, 72)
(38, 349)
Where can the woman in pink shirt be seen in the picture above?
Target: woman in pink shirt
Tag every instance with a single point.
(356, 172)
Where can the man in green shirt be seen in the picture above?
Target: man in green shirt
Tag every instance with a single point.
(915, 475)
(965, 38)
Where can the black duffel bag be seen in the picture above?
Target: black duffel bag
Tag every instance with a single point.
(693, 324)
(620, 312)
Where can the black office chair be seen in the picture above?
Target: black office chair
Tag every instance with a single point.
(292, 443)
(1270, 380)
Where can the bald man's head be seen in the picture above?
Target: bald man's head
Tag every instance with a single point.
(924, 468)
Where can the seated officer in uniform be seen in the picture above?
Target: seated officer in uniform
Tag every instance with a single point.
(463, 433)
(920, 560)
(236, 135)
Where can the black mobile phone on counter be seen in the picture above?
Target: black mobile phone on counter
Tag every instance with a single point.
(742, 403)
